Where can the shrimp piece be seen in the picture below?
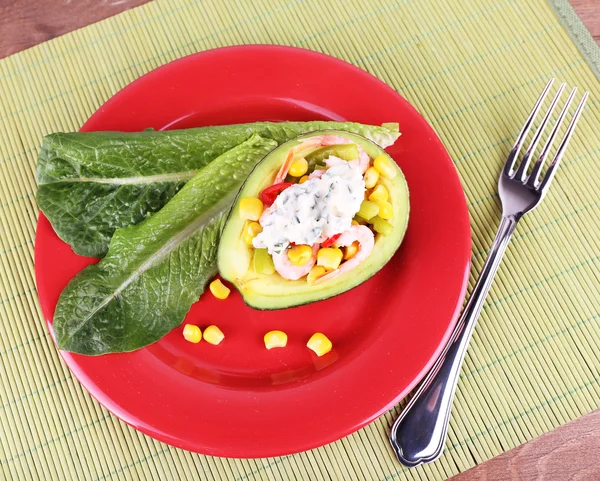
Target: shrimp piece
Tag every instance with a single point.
(326, 140)
(285, 167)
(366, 241)
(287, 270)
(316, 174)
(362, 163)
(314, 141)
(333, 160)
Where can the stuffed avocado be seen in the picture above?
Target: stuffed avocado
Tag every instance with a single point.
(318, 216)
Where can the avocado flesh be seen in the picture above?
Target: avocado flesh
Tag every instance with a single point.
(269, 292)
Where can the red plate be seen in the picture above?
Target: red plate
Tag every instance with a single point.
(238, 399)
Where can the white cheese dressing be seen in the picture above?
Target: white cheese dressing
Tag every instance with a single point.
(313, 211)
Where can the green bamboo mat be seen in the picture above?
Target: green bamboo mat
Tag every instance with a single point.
(473, 68)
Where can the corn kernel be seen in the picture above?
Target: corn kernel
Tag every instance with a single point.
(319, 343)
(354, 222)
(300, 254)
(251, 231)
(368, 209)
(315, 273)
(385, 166)
(379, 193)
(251, 208)
(192, 333)
(219, 290)
(329, 257)
(275, 339)
(299, 167)
(386, 211)
(371, 177)
(303, 179)
(213, 335)
(351, 250)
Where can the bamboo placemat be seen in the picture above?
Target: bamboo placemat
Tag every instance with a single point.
(473, 68)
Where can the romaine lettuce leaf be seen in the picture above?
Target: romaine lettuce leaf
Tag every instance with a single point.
(155, 270)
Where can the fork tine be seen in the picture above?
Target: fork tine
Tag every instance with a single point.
(510, 161)
(522, 170)
(533, 178)
(563, 145)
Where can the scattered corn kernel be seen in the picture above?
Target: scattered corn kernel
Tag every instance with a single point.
(315, 273)
(299, 167)
(371, 177)
(351, 250)
(386, 211)
(385, 166)
(319, 343)
(219, 290)
(251, 231)
(300, 254)
(368, 209)
(382, 226)
(275, 339)
(251, 208)
(354, 222)
(213, 335)
(263, 262)
(379, 193)
(303, 179)
(329, 257)
(192, 333)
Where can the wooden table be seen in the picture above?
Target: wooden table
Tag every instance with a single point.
(571, 451)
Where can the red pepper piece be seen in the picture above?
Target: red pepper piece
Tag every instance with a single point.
(269, 195)
(329, 242)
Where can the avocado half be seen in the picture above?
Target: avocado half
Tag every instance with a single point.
(268, 292)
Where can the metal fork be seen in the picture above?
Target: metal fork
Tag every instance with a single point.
(419, 433)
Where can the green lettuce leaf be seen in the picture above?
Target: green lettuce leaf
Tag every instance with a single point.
(92, 183)
(155, 270)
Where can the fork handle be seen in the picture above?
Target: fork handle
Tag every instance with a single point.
(418, 435)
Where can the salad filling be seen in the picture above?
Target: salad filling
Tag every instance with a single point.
(320, 217)
(313, 211)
